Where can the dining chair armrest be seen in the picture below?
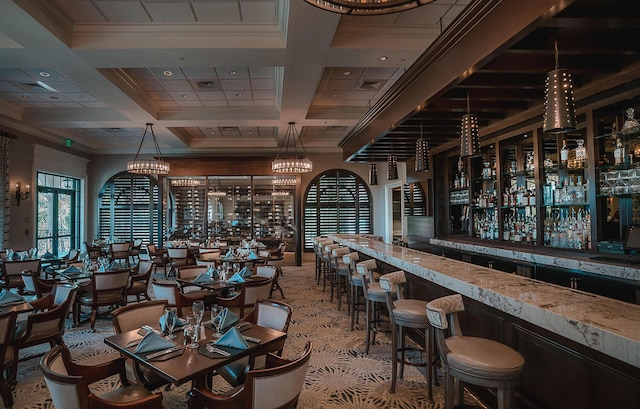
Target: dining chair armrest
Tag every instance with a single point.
(153, 401)
(94, 373)
(43, 303)
(205, 398)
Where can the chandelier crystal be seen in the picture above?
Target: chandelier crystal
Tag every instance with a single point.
(189, 182)
(155, 166)
(367, 7)
(284, 163)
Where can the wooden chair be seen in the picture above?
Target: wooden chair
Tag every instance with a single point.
(104, 289)
(134, 316)
(274, 274)
(7, 325)
(68, 383)
(120, 251)
(242, 303)
(192, 291)
(34, 285)
(134, 253)
(178, 257)
(12, 273)
(94, 252)
(267, 313)
(278, 385)
(46, 326)
(156, 256)
(169, 291)
(139, 280)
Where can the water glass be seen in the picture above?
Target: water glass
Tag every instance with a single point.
(217, 316)
(191, 332)
(170, 318)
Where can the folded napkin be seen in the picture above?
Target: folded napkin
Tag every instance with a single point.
(252, 256)
(228, 318)
(72, 269)
(153, 342)
(228, 256)
(7, 297)
(203, 278)
(47, 255)
(236, 278)
(233, 339)
(245, 272)
(179, 323)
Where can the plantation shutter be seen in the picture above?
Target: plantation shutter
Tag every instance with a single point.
(336, 201)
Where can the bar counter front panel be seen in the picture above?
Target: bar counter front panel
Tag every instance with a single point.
(581, 350)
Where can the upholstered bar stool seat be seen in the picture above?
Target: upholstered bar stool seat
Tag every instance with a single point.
(339, 271)
(407, 313)
(478, 361)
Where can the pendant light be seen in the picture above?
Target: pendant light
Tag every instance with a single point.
(392, 167)
(373, 173)
(155, 166)
(559, 107)
(284, 163)
(422, 153)
(469, 134)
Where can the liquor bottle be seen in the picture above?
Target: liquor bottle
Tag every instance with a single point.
(564, 152)
(618, 153)
(579, 192)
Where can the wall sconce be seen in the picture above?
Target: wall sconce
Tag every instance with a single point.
(20, 195)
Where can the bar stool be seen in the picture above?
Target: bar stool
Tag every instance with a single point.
(338, 271)
(317, 248)
(478, 361)
(326, 262)
(374, 298)
(354, 282)
(406, 313)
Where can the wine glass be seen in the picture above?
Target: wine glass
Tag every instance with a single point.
(217, 316)
(170, 319)
(198, 310)
(10, 253)
(236, 267)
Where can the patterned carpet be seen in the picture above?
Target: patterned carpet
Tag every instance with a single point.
(340, 374)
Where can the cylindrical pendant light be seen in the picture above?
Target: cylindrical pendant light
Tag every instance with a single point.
(373, 174)
(559, 107)
(392, 167)
(469, 134)
(422, 154)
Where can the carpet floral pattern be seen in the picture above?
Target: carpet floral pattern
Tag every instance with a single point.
(340, 374)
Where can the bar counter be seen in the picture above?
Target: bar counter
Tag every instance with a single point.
(605, 325)
(581, 350)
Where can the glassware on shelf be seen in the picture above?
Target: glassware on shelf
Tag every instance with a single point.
(487, 171)
(581, 151)
(564, 152)
(548, 163)
(630, 124)
(529, 162)
(618, 153)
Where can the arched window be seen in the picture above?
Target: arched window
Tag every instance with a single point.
(337, 201)
(129, 208)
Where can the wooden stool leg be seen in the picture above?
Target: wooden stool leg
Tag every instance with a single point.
(394, 357)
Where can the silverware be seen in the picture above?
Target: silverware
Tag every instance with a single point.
(252, 339)
(219, 351)
(164, 352)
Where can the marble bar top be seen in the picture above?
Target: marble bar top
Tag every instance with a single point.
(536, 256)
(603, 324)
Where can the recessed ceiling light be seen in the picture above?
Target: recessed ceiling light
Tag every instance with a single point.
(238, 95)
(167, 73)
(383, 58)
(347, 73)
(44, 74)
(232, 72)
(184, 95)
(26, 97)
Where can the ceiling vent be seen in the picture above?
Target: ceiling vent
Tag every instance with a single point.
(370, 84)
(206, 85)
(37, 86)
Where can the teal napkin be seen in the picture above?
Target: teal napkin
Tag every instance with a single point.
(245, 272)
(252, 256)
(203, 278)
(179, 323)
(236, 278)
(72, 269)
(47, 255)
(228, 256)
(228, 318)
(233, 339)
(7, 297)
(153, 342)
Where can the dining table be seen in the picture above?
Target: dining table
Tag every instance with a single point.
(18, 307)
(195, 365)
(220, 287)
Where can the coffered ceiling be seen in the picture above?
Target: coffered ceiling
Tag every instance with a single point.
(216, 77)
